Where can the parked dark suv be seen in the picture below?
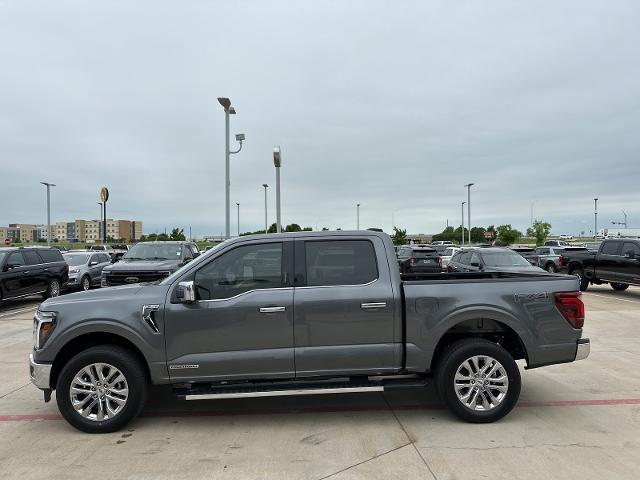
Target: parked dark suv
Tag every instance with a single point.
(149, 262)
(30, 271)
(414, 259)
(491, 259)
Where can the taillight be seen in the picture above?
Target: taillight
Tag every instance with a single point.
(561, 261)
(66, 267)
(410, 261)
(571, 307)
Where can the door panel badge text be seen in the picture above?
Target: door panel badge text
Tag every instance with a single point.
(183, 366)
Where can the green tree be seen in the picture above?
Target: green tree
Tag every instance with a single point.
(162, 237)
(507, 234)
(177, 234)
(294, 227)
(540, 231)
(399, 236)
(477, 234)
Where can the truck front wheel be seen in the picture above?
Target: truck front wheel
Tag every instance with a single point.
(584, 283)
(101, 389)
(478, 380)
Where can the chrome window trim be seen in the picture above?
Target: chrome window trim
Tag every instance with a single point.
(333, 286)
(245, 293)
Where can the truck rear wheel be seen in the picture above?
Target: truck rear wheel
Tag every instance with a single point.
(478, 380)
(101, 389)
(619, 287)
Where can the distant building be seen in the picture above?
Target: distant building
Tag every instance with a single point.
(89, 231)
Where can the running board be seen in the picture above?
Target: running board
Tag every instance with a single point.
(281, 389)
(282, 393)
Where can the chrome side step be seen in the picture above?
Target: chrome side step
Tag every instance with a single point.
(282, 393)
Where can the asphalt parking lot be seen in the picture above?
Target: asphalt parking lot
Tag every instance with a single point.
(578, 420)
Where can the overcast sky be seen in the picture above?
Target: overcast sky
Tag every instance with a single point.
(394, 105)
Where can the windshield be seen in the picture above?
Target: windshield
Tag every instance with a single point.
(504, 259)
(181, 270)
(448, 252)
(423, 253)
(76, 259)
(154, 251)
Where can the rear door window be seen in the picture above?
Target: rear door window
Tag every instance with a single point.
(464, 258)
(31, 257)
(340, 262)
(611, 248)
(631, 247)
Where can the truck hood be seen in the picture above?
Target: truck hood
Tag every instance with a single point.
(102, 294)
(143, 266)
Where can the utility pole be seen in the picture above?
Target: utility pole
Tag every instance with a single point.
(358, 216)
(48, 185)
(468, 186)
(238, 218)
(228, 110)
(266, 227)
(462, 224)
(277, 162)
(595, 217)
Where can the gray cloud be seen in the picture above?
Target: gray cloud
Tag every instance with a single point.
(394, 106)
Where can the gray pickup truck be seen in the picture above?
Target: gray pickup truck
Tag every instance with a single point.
(301, 314)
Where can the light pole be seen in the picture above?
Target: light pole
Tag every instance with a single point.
(266, 228)
(238, 218)
(358, 216)
(595, 218)
(277, 162)
(228, 110)
(100, 203)
(468, 187)
(48, 185)
(462, 224)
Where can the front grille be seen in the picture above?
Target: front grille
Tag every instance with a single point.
(127, 278)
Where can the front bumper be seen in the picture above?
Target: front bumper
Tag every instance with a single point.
(583, 350)
(40, 373)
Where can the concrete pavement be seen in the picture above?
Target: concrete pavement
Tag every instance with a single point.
(573, 420)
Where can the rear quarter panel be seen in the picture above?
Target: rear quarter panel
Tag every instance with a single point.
(527, 306)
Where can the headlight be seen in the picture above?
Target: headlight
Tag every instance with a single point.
(43, 325)
(74, 270)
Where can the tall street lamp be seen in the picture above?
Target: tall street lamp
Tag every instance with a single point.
(238, 218)
(595, 218)
(468, 187)
(277, 162)
(358, 216)
(462, 224)
(100, 203)
(48, 185)
(266, 227)
(228, 110)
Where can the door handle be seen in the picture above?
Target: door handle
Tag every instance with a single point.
(272, 309)
(373, 305)
(25, 273)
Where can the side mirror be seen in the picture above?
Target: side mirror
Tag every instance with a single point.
(475, 264)
(630, 254)
(186, 292)
(93, 264)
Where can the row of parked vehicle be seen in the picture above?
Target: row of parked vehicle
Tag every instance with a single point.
(26, 271)
(613, 261)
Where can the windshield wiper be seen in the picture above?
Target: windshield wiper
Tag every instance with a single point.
(158, 258)
(132, 258)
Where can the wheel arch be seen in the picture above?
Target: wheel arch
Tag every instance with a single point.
(88, 340)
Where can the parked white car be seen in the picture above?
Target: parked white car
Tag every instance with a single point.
(446, 257)
(566, 237)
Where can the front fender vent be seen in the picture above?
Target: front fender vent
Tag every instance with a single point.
(148, 316)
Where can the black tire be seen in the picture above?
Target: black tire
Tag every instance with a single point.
(584, 283)
(551, 268)
(85, 283)
(53, 289)
(129, 366)
(619, 287)
(454, 356)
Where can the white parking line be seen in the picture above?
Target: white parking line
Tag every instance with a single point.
(615, 298)
(8, 314)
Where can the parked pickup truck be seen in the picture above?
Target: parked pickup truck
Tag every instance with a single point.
(616, 262)
(301, 314)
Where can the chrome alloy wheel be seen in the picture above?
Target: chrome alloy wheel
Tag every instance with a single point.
(99, 392)
(481, 383)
